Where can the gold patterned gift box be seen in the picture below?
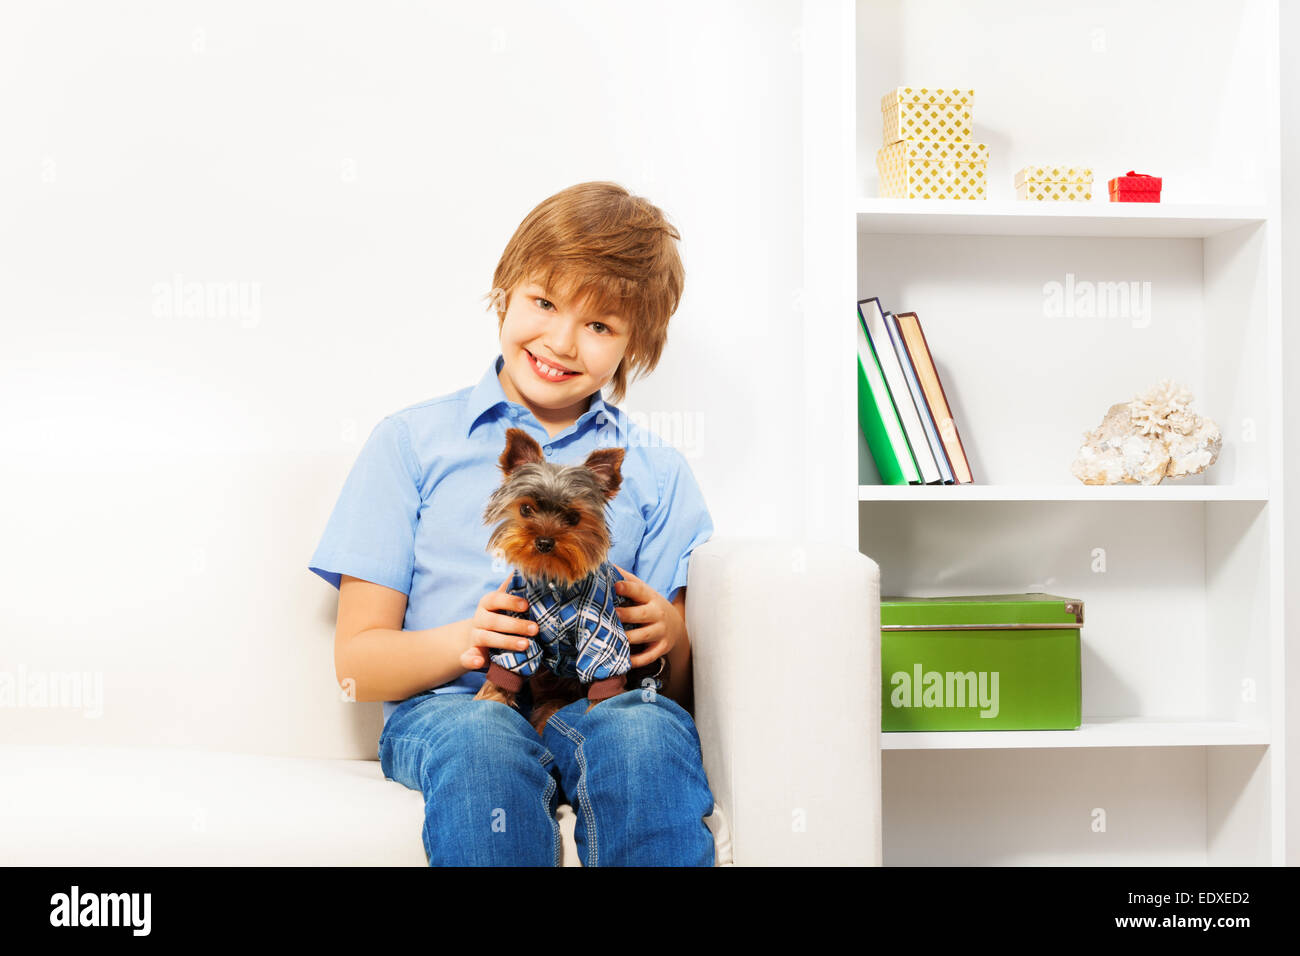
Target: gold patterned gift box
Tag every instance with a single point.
(1057, 183)
(919, 113)
(932, 169)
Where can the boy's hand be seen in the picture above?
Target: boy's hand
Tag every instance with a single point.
(490, 630)
(662, 627)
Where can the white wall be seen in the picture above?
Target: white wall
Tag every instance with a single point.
(356, 169)
(1156, 98)
(1290, 69)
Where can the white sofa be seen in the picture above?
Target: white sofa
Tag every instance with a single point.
(785, 638)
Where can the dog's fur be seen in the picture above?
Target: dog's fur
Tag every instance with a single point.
(550, 525)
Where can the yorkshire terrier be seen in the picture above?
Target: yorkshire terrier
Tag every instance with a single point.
(550, 526)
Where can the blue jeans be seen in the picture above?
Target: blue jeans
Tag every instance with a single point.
(631, 767)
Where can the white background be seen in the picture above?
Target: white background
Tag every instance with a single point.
(361, 166)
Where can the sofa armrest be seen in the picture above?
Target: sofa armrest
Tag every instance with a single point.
(785, 647)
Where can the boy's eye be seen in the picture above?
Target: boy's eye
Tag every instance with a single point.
(547, 305)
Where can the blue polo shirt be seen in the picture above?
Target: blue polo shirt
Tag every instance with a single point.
(410, 516)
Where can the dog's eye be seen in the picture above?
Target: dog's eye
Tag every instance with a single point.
(572, 518)
(525, 510)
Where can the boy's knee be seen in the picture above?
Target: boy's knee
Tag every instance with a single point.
(489, 723)
(490, 738)
(642, 721)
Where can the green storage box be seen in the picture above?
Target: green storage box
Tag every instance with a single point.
(981, 662)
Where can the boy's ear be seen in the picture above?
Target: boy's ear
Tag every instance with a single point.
(607, 464)
(521, 448)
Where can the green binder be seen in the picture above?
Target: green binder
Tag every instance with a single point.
(981, 662)
(878, 418)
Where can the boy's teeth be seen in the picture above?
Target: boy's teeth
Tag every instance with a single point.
(547, 369)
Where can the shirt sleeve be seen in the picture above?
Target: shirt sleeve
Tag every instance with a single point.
(678, 524)
(371, 532)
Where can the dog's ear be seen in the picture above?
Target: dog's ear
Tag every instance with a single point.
(521, 448)
(607, 464)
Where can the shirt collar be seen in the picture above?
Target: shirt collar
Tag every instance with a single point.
(488, 394)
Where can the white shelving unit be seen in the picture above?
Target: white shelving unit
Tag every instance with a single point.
(1076, 492)
(958, 217)
(1181, 752)
(1098, 732)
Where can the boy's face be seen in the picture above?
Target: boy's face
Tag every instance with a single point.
(548, 326)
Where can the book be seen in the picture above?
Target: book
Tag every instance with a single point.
(918, 397)
(878, 418)
(873, 316)
(919, 351)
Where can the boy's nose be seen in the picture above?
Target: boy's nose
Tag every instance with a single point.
(544, 545)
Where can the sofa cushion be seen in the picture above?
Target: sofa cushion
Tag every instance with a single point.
(125, 806)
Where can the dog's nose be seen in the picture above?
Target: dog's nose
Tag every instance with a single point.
(544, 545)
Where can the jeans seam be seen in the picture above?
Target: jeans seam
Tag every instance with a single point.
(424, 791)
(411, 737)
(584, 797)
(546, 808)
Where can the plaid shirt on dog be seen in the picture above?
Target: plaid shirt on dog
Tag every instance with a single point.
(579, 633)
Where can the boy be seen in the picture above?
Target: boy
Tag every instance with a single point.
(583, 294)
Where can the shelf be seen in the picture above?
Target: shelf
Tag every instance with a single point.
(1075, 492)
(1187, 603)
(974, 217)
(1095, 732)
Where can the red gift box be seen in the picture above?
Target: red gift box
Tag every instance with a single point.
(1135, 187)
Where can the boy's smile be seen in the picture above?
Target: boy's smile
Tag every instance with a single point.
(551, 370)
(542, 329)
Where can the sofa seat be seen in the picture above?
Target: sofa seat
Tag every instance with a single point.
(136, 806)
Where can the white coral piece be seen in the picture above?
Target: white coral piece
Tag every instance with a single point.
(1153, 437)
(1162, 410)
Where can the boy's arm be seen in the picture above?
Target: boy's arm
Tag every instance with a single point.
(382, 661)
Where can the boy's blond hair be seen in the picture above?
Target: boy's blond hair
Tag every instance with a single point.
(598, 245)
